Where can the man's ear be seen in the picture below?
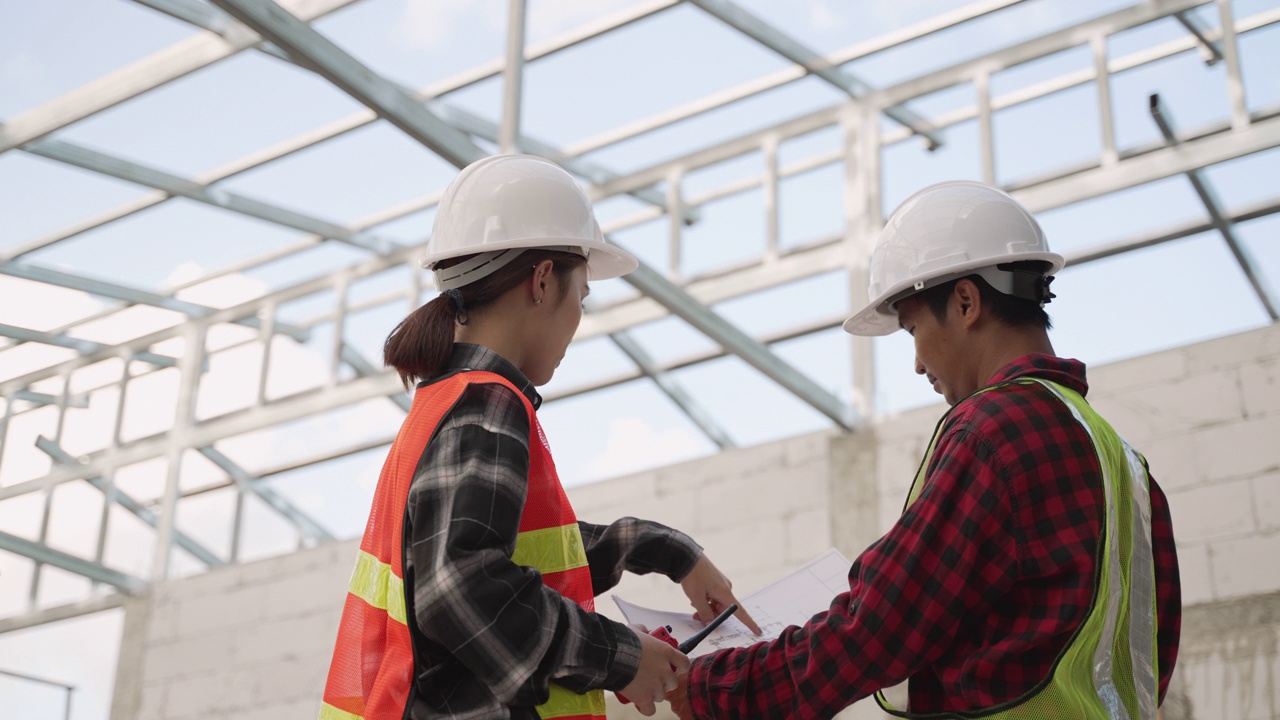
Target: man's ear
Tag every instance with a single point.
(966, 300)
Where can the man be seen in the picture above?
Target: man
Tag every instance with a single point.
(1032, 573)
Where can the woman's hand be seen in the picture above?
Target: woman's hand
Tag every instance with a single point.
(710, 592)
(657, 676)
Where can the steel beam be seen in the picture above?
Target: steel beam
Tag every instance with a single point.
(350, 123)
(387, 99)
(667, 366)
(1248, 264)
(595, 173)
(76, 401)
(737, 282)
(929, 83)
(786, 76)
(139, 510)
(130, 295)
(1219, 145)
(149, 73)
(1212, 50)
(46, 555)
(248, 483)
(84, 346)
(210, 18)
(1169, 234)
(824, 256)
(681, 304)
(1085, 76)
(673, 390)
(192, 13)
(173, 185)
(400, 108)
(813, 62)
(211, 431)
(244, 313)
(61, 612)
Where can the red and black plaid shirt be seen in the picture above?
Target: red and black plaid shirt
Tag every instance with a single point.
(975, 590)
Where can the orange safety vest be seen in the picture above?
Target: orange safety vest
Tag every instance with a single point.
(372, 669)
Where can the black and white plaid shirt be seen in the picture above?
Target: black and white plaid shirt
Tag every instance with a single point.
(487, 634)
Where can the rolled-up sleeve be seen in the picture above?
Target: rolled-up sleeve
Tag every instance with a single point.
(636, 546)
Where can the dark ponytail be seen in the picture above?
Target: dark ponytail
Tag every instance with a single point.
(419, 347)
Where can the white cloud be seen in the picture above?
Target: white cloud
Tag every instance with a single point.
(220, 292)
(633, 445)
(439, 24)
(42, 307)
(552, 17)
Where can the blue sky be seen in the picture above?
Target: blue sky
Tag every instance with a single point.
(1176, 293)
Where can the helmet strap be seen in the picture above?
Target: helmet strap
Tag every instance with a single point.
(459, 305)
(474, 268)
(1019, 282)
(486, 263)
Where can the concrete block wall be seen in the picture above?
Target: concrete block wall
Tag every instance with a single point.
(254, 640)
(249, 642)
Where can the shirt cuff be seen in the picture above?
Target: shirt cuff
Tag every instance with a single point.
(626, 655)
(686, 555)
(700, 705)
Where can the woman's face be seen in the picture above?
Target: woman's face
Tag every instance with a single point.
(553, 328)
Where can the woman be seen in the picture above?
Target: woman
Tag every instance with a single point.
(473, 592)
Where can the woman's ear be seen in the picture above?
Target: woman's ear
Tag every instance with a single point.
(540, 282)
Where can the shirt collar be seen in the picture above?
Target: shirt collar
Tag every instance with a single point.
(467, 356)
(1063, 371)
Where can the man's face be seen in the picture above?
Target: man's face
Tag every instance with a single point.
(937, 353)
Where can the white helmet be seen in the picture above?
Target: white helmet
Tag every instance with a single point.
(948, 231)
(502, 205)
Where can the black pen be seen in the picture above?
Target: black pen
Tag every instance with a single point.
(688, 645)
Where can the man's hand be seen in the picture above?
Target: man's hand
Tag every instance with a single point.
(710, 592)
(659, 663)
(679, 698)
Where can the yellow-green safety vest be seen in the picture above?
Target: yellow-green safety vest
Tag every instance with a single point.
(1108, 669)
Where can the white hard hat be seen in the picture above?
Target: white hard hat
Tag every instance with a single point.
(502, 205)
(948, 231)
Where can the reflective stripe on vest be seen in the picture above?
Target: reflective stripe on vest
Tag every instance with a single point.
(376, 584)
(551, 550)
(329, 712)
(1109, 668)
(372, 669)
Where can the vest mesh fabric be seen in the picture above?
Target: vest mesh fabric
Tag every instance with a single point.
(372, 669)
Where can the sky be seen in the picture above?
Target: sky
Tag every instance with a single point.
(1177, 293)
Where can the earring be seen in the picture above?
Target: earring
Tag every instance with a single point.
(538, 301)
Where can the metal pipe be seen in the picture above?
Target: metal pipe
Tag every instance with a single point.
(1098, 44)
(512, 78)
(1248, 264)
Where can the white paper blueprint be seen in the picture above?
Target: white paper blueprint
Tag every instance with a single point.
(789, 601)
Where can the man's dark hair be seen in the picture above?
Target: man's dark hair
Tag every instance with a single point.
(1008, 309)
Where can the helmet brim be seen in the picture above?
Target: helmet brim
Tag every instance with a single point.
(604, 260)
(878, 318)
